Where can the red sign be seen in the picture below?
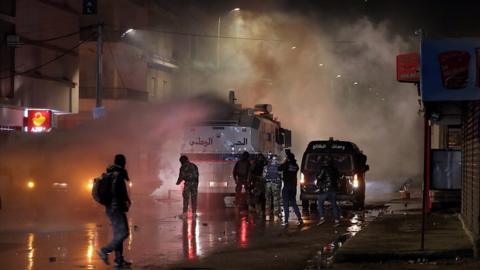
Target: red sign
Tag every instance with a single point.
(454, 67)
(39, 120)
(408, 68)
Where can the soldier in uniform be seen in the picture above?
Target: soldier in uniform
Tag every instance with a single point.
(273, 185)
(189, 174)
(258, 185)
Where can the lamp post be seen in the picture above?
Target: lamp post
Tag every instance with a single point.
(219, 26)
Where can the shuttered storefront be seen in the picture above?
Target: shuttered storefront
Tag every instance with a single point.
(471, 167)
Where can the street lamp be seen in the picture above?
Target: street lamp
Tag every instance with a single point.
(219, 25)
(127, 32)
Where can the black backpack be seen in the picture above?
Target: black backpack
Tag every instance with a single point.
(102, 189)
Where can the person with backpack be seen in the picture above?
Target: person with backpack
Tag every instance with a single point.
(241, 175)
(289, 193)
(188, 174)
(327, 183)
(273, 185)
(112, 192)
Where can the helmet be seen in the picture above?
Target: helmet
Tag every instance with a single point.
(272, 159)
(245, 155)
(183, 159)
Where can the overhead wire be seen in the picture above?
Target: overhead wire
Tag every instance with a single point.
(49, 61)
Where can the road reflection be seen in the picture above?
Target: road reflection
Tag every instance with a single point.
(191, 238)
(31, 251)
(91, 242)
(244, 232)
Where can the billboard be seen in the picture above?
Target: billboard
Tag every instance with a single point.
(450, 69)
(38, 120)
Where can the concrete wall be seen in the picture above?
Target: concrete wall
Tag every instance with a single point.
(54, 86)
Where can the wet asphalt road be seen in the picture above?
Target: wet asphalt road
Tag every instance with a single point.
(157, 237)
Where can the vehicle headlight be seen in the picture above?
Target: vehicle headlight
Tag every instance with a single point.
(302, 178)
(355, 182)
(89, 185)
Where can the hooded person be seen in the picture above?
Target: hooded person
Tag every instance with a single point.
(116, 211)
(189, 174)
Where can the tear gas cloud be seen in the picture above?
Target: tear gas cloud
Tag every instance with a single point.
(323, 80)
(327, 80)
(148, 134)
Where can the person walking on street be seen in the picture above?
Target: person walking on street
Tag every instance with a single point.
(258, 184)
(327, 183)
(241, 175)
(289, 193)
(116, 211)
(188, 174)
(273, 185)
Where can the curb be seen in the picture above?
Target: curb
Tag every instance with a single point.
(411, 255)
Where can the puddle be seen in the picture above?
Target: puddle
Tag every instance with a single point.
(325, 257)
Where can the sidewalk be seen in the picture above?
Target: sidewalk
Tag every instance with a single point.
(397, 236)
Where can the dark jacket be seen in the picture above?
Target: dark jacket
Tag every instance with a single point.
(256, 169)
(327, 179)
(241, 171)
(120, 198)
(188, 173)
(289, 169)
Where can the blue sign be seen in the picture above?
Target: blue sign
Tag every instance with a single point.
(450, 69)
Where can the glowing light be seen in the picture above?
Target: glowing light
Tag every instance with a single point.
(130, 30)
(89, 185)
(31, 184)
(236, 9)
(293, 47)
(130, 184)
(321, 65)
(355, 83)
(339, 76)
(355, 183)
(302, 178)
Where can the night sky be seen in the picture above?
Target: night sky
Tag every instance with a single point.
(438, 18)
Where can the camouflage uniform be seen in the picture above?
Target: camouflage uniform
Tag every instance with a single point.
(189, 174)
(273, 186)
(257, 184)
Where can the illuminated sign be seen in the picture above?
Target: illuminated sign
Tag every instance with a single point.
(408, 68)
(38, 120)
(450, 69)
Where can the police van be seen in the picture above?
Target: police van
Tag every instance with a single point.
(349, 161)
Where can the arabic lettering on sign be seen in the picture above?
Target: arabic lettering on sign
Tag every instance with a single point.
(238, 143)
(323, 146)
(202, 142)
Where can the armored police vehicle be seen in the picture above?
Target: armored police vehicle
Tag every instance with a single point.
(216, 145)
(349, 161)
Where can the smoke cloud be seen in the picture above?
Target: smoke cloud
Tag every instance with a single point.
(326, 80)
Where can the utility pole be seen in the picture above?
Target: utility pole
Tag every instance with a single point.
(99, 110)
(99, 90)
